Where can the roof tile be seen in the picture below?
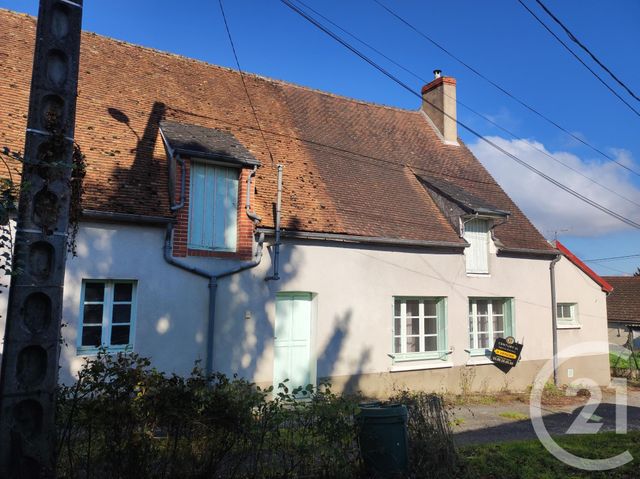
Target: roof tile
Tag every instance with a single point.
(623, 304)
(349, 166)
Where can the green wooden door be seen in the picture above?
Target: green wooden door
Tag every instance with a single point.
(292, 340)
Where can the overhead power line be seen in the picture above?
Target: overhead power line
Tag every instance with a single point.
(244, 84)
(613, 258)
(505, 91)
(475, 112)
(614, 269)
(550, 179)
(574, 55)
(575, 40)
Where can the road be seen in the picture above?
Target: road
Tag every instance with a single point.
(499, 422)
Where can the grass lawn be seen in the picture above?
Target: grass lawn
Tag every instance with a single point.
(530, 460)
(516, 416)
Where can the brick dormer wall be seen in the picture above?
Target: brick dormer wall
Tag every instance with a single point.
(245, 233)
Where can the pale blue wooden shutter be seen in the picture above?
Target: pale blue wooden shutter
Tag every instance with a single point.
(476, 233)
(441, 309)
(509, 318)
(213, 207)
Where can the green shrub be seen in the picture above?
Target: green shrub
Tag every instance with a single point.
(124, 419)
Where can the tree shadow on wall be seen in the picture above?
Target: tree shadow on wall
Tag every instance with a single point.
(256, 326)
(141, 188)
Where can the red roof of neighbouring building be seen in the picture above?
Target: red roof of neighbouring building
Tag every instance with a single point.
(606, 287)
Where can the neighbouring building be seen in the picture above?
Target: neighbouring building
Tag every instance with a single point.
(394, 259)
(623, 311)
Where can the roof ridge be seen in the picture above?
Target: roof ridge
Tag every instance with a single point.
(232, 70)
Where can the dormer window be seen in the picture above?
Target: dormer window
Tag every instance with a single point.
(209, 171)
(476, 233)
(470, 215)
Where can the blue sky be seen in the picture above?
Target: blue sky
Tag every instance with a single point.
(498, 38)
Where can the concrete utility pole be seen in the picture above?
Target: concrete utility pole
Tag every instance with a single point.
(32, 335)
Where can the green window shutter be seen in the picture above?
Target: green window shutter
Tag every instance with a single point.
(442, 326)
(509, 311)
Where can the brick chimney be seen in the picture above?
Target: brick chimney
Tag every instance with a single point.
(439, 104)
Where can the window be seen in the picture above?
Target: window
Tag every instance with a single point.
(419, 328)
(107, 314)
(213, 207)
(566, 315)
(489, 319)
(476, 233)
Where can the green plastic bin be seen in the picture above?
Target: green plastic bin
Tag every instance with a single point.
(383, 437)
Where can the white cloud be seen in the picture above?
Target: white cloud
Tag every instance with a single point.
(552, 209)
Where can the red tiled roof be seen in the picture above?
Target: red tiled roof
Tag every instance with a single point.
(349, 166)
(606, 287)
(623, 305)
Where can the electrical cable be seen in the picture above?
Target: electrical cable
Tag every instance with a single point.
(612, 258)
(598, 77)
(415, 75)
(552, 180)
(246, 90)
(506, 92)
(589, 52)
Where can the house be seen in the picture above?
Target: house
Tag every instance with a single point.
(338, 239)
(581, 306)
(623, 311)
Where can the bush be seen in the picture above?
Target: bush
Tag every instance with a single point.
(432, 453)
(124, 419)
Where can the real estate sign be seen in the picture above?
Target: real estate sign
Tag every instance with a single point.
(506, 353)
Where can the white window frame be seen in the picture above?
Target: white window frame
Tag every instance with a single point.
(441, 329)
(567, 322)
(107, 315)
(230, 245)
(508, 323)
(477, 246)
